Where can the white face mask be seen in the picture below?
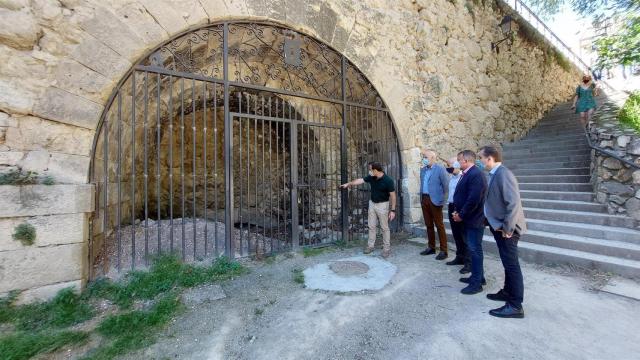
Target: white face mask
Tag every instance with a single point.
(370, 172)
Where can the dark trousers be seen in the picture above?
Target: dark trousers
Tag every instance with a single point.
(513, 282)
(473, 236)
(433, 216)
(457, 229)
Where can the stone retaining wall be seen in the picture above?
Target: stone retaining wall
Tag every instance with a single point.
(430, 60)
(616, 184)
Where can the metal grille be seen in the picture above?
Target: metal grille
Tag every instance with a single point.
(233, 139)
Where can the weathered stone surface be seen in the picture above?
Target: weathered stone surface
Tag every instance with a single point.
(99, 57)
(633, 208)
(44, 293)
(634, 147)
(615, 188)
(623, 140)
(32, 133)
(203, 294)
(82, 81)
(107, 27)
(50, 230)
(67, 108)
(611, 163)
(32, 267)
(19, 29)
(69, 169)
(31, 200)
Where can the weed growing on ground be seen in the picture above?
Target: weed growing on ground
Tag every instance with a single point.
(309, 251)
(298, 276)
(48, 180)
(258, 311)
(25, 233)
(41, 327)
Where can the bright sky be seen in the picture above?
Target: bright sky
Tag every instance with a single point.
(566, 25)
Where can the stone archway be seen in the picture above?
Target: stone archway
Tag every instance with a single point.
(169, 148)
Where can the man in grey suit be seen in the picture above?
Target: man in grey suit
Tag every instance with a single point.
(434, 183)
(503, 210)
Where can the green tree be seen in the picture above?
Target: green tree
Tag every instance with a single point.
(620, 47)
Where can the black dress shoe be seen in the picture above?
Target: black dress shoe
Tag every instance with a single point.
(466, 281)
(442, 255)
(507, 311)
(470, 290)
(499, 296)
(456, 261)
(465, 269)
(428, 251)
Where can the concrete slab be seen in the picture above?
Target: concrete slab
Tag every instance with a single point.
(351, 274)
(623, 287)
(203, 294)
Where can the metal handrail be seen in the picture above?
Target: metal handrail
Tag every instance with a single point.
(608, 152)
(527, 14)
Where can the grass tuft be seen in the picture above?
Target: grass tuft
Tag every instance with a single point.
(25, 233)
(310, 251)
(25, 345)
(630, 112)
(19, 177)
(298, 276)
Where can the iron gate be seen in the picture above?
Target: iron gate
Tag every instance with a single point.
(233, 139)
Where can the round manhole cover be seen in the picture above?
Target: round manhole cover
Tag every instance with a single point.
(349, 268)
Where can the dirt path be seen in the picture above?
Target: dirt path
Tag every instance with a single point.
(419, 315)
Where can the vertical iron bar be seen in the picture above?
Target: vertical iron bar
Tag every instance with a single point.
(146, 168)
(119, 176)
(171, 144)
(284, 170)
(240, 167)
(344, 193)
(182, 165)
(105, 166)
(304, 192)
(215, 165)
(270, 179)
(248, 176)
(264, 212)
(293, 173)
(278, 183)
(193, 164)
(255, 166)
(133, 169)
(205, 120)
(228, 148)
(159, 81)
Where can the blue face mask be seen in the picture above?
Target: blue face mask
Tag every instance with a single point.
(479, 164)
(425, 162)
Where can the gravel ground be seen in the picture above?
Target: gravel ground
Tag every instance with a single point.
(419, 315)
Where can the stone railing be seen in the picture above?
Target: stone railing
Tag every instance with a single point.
(616, 183)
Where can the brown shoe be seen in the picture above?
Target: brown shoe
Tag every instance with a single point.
(368, 250)
(386, 253)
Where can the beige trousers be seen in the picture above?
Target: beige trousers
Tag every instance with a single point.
(379, 212)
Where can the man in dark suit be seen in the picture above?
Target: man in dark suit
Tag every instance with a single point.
(469, 202)
(504, 213)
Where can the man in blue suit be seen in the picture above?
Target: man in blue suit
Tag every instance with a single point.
(434, 183)
(468, 203)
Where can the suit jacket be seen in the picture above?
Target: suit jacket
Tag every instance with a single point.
(468, 200)
(503, 207)
(438, 184)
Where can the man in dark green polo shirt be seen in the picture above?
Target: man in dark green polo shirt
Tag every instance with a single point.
(383, 192)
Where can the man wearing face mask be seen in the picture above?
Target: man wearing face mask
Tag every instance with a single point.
(457, 228)
(468, 202)
(382, 205)
(433, 186)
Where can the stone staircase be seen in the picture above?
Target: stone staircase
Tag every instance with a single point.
(565, 226)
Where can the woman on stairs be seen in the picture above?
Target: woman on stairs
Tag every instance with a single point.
(584, 102)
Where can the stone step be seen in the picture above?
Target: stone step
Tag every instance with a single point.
(552, 172)
(565, 205)
(553, 139)
(549, 165)
(584, 179)
(543, 133)
(551, 147)
(515, 154)
(543, 159)
(619, 249)
(553, 255)
(588, 230)
(557, 195)
(556, 187)
(583, 217)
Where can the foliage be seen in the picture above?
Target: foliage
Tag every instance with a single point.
(25, 345)
(25, 233)
(167, 273)
(19, 177)
(298, 276)
(311, 251)
(622, 47)
(65, 309)
(48, 180)
(630, 112)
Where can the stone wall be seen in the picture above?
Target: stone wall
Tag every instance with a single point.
(617, 184)
(430, 60)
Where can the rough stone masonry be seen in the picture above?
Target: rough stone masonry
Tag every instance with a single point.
(431, 61)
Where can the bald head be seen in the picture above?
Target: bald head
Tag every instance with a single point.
(429, 154)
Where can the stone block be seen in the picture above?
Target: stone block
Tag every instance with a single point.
(19, 29)
(271, 9)
(34, 267)
(623, 140)
(633, 208)
(80, 80)
(32, 200)
(32, 133)
(62, 106)
(101, 58)
(323, 20)
(612, 163)
(44, 293)
(136, 17)
(636, 177)
(634, 147)
(105, 26)
(615, 188)
(14, 96)
(50, 230)
(10, 158)
(67, 168)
